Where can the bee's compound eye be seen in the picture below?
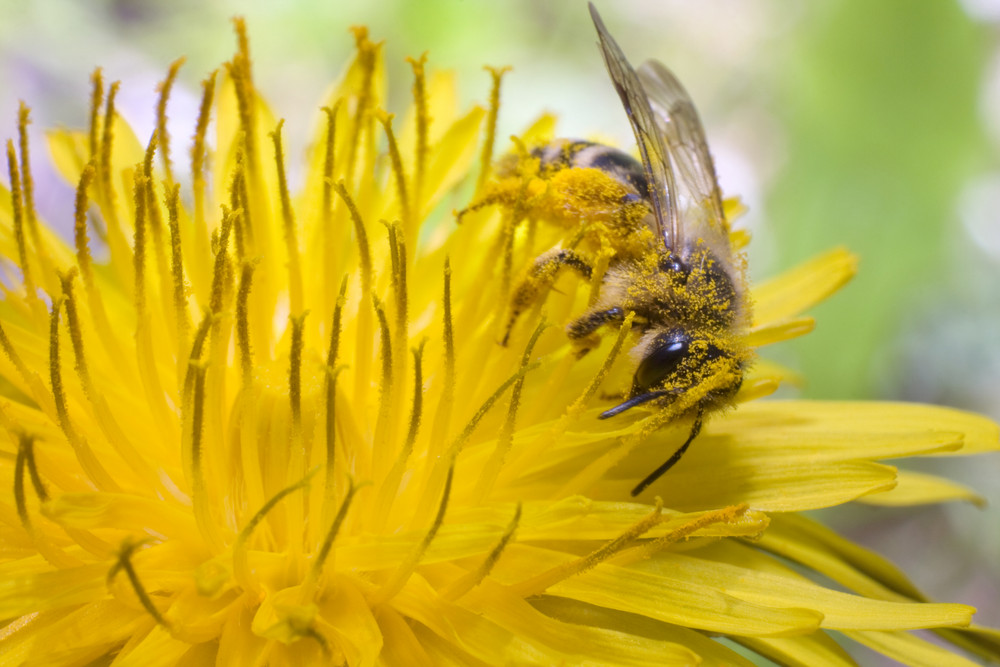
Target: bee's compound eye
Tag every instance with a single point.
(668, 351)
(630, 198)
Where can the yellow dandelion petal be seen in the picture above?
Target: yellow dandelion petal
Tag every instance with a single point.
(804, 286)
(908, 649)
(913, 488)
(249, 425)
(804, 541)
(815, 649)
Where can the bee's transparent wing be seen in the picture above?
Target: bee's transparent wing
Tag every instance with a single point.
(697, 198)
(655, 160)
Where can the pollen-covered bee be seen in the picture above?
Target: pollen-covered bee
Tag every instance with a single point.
(667, 248)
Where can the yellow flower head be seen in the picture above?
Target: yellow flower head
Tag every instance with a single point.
(251, 426)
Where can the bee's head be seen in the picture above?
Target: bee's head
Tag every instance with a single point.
(676, 361)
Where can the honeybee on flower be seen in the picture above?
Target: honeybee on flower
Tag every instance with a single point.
(667, 256)
(246, 424)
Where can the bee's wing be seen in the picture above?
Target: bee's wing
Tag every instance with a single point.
(697, 198)
(655, 159)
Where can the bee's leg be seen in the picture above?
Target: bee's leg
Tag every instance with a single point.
(590, 322)
(506, 193)
(540, 279)
(582, 330)
(674, 458)
(497, 198)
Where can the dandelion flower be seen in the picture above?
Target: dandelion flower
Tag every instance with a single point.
(250, 426)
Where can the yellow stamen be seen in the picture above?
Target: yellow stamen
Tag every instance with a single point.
(254, 191)
(417, 406)
(385, 408)
(295, 372)
(648, 549)
(217, 360)
(539, 583)
(84, 263)
(242, 194)
(331, 384)
(25, 461)
(398, 261)
(447, 458)
(326, 209)
(362, 357)
(331, 535)
(580, 404)
(124, 562)
(247, 408)
(243, 323)
(241, 567)
(199, 153)
(219, 272)
(506, 437)
(390, 486)
(330, 239)
(288, 217)
(207, 526)
(96, 99)
(465, 584)
(28, 190)
(76, 336)
(367, 52)
(398, 172)
(442, 418)
(197, 417)
(155, 218)
(105, 186)
(242, 40)
(28, 443)
(145, 345)
(162, 136)
(15, 199)
(201, 333)
(80, 224)
(139, 242)
(423, 122)
(84, 454)
(237, 201)
(572, 413)
(241, 74)
(402, 574)
(362, 239)
(14, 357)
(182, 315)
(397, 253)
(105, 417)
(507, 267)
(486, 157)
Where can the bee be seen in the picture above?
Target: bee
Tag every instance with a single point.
(669, 257)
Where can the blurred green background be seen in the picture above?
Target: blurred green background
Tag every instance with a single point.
(868, 124)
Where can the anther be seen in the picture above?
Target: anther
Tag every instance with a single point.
(162, 136)
(486, 158)
(124, 563)
(397, 169)
(288, 218)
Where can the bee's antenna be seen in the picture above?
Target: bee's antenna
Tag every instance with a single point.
(674, 458)
(632, 402)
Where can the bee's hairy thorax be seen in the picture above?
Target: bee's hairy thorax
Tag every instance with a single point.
(619, 165)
